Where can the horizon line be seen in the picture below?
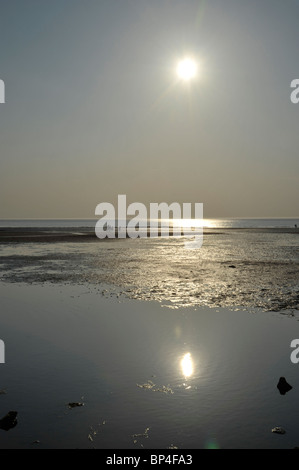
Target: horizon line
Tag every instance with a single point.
(96, 218)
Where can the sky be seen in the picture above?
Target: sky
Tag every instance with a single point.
(94, 108)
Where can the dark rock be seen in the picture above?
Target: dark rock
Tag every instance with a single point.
(283, 386)
(9, 421)
(232, 266)
(74, 404)
(278, 430)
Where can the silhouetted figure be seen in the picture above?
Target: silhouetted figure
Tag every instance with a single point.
(9, 421)
(283, 386)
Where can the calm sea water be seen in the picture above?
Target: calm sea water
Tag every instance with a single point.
(149, 377)
(212, 223)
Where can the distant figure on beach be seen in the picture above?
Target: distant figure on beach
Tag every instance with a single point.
(295, 225)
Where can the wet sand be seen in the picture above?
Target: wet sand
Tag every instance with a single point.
(123, 359)
(252, 268)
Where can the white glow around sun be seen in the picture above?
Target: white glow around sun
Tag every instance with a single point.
(186, 69)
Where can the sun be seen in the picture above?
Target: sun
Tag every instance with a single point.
(186, 69)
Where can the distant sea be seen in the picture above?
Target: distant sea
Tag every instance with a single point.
(208, 223)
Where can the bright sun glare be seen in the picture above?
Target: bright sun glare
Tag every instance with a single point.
(186, 69)
(187, 365)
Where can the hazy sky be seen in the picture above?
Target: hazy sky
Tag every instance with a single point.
(94, 108)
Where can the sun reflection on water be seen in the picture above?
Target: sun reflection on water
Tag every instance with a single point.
(187, 365)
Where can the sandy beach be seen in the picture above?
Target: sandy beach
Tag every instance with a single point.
(158, 351)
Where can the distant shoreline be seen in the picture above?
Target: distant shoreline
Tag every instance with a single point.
(87, 234)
